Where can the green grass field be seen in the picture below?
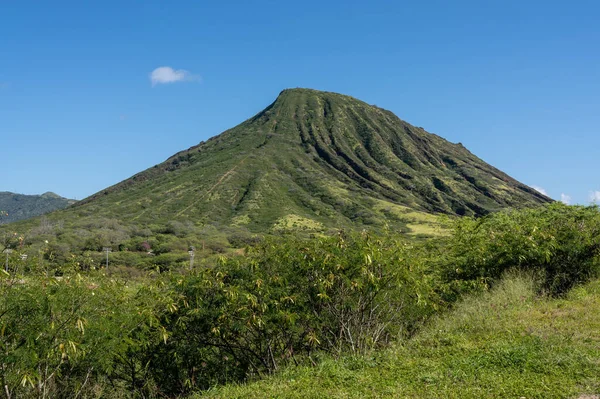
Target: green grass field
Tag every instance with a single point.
(507, 343)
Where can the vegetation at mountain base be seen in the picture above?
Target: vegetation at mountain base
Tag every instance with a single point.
(505, 343)
(349, 315)
(311, 163)
(20, 206)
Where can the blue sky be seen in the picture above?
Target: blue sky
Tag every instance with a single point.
(517, 82)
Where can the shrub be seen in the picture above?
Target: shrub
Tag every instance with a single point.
(241, 239)
(75, 337)
(561, 241)
(288, 299)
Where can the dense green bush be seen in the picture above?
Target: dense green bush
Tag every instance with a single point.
(288, 299)
(562, 242)
(75, 337)
(284, 302)
(242, 238)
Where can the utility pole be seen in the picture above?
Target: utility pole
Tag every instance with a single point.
(42, 251)
(192, 253)
(23, 258)
(107, 250)
(40, 261)
(7, 252)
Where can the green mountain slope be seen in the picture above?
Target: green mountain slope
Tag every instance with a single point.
(313, 160)
(21, 206)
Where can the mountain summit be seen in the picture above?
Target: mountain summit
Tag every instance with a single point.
(314, 157)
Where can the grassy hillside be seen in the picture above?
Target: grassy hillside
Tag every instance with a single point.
(20, 206)
(311, 163)
(507, 343)
(320, 159)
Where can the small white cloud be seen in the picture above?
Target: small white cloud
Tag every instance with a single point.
(565, 199)
(167, 74)
(540, 190)
(595, 197)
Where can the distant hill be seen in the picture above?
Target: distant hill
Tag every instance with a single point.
(21, 206)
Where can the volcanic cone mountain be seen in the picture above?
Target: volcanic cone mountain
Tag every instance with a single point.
(313, 159)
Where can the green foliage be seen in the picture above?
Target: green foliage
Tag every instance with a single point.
(561, 241)
(74, 337)
(284, 301)
(70, 327)
(504, 343)
(288, 299)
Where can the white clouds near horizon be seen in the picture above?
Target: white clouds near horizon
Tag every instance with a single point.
(540, 190)
(595, 197)
(166, 74)
(565, 199)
